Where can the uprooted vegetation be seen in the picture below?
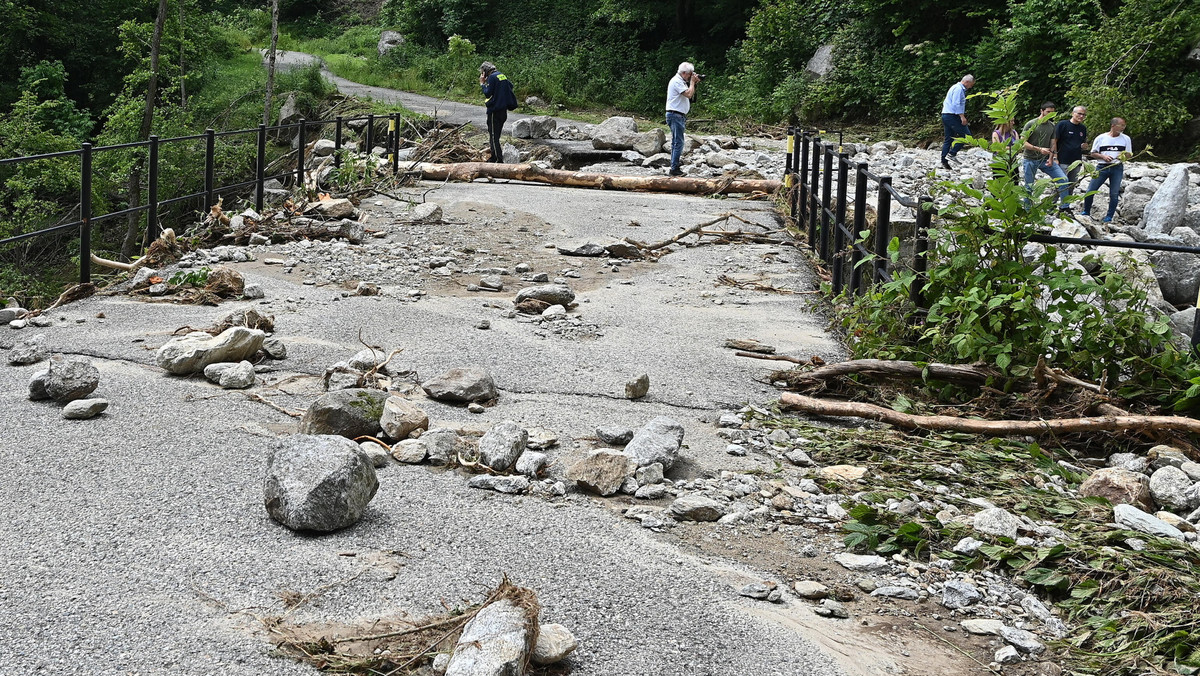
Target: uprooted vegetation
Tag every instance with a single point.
(1128, 598)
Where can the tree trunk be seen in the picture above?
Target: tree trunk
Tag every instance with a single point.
(271, 61)
(135, 176)
(469, 171)
(995, 428)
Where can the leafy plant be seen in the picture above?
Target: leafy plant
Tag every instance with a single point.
(197, 277)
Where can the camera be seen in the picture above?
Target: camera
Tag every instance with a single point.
(698, 76)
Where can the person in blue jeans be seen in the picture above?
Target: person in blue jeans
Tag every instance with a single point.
(680, 92)
(954, 117)
(1039, 134)
(1110, 150)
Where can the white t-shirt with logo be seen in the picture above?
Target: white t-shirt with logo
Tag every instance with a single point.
(675, 99)
(1112, 146)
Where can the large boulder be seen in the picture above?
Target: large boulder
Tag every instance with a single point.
(442, 445)
(650, 142)
(658, 441)
(462, 385)
(1166, 209)
(502, 445)
(1133, 518)
(348, 413)
(541, 126)
(318, 483)
(401, 418)
(192, 352)
(1119, 486)
(696, 507)
(615, 133)
(389, 40)
(1178, 273)
(68, 379)
(496, 642)
(821, 63)
(551, 294)
(30, 351)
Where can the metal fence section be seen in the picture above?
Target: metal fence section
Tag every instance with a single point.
(814, 207)
(210, 193)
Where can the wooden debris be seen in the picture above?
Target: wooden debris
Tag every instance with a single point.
(749, 345)
(469, 171)
(998, 428)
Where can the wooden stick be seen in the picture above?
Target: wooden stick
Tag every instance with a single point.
(469, 171)
(689, 231)
(958, 373)
(116, 265)
(999, 428)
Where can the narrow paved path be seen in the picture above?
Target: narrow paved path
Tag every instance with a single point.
(452, 112)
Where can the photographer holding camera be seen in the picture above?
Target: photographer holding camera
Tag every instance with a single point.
(680, 92)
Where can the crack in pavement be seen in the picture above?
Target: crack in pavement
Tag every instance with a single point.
(614, 397)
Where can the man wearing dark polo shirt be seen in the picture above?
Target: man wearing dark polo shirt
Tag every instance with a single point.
(1067, 146)
(1039, 137)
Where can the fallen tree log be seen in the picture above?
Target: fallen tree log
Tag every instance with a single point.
(996, 428)
(469, 171)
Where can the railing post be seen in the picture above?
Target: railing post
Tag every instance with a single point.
(210, 154)
(814, 185)
(85, 214)
(300, 157)
(883, 227)
(152, 193)
(370, 133)
(920, 249)
(260, 169)
(394, 126)
(860, 224)
(839, 226)
(801, 197)
(337, 143)
(789, 170)
(826, 200)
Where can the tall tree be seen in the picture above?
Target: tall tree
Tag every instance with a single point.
(271, 61)
(135, 176)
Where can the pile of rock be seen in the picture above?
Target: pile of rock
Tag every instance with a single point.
(69, 381)
(498, 640)
(223, 359)
(1158, 494)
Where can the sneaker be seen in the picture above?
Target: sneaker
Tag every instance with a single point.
(1084, 213)
(1107, 219)
(675, 172)
(1065, 210)
(946, 164)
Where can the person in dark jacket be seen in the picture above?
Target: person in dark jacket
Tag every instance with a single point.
(499, 97)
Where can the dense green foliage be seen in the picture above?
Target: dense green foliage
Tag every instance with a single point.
(990, 301)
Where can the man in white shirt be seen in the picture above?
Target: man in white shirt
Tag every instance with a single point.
(680, 92)
(954, 117)
(1110, 151)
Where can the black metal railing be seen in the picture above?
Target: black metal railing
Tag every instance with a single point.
(211, 192)
(815, 207)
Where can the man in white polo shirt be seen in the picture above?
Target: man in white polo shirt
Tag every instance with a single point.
(1110, 150)
(680, 92)
(954, 117)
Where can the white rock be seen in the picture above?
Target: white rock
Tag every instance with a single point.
(554, 643)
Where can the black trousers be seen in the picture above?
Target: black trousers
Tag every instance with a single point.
(495, 121)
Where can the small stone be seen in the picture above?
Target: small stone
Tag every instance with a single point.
(997, 521)
(502, 445)
(554, 312)
(253, 292)
(410, 451)
(982, 627)
(82, 409)
(531, 463)
(893, 592)
(602, 472)
(831, 608)
(614, 436)
(696, 507)
(799, 458)
(30, 351)
(554, 643)
(1024, 641)
(808, 589)
(957, 594)
(475, 408)
(735, 450)
(274, 348)
(638, 387)
(366, 289)
(511, 485)
(483, 325)
(967, 546)
(862, 562)
(401, 418)
(378, 455)
(650, 492)
(843, 472)
(1007, 655)
(649, 474)
(757, 590)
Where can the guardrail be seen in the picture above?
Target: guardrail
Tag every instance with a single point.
(211, 192)
(809, 169)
